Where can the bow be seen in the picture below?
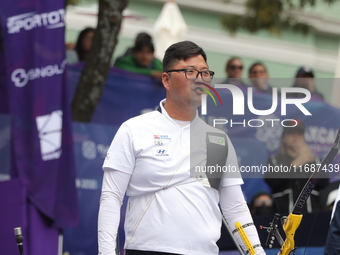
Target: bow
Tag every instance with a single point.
(292, 222)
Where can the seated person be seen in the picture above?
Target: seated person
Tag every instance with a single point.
(286, 186)
(140, 37)
(142, 61)
(262, 204)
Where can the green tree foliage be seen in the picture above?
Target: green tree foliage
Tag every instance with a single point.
(72, 2)
(270, 15)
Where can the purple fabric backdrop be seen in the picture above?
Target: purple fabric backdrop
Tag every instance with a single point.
(12, 214)
(42, 149)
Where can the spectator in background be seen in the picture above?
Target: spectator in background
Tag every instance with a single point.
(234, 70)
(295, 154)
(258, 77)
(140, 37)
(83, 45)
(142, 61)
(304, 78)
(262, 204)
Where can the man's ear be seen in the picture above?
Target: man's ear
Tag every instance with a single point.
(166, 81)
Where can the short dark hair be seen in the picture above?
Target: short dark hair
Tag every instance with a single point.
(142, 36)
(181, 51)
(231, 60)
(139, 46)
(257, 64)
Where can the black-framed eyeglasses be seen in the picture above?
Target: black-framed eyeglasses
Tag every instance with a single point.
(192, 74)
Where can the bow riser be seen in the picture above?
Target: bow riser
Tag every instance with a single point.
(290, 225)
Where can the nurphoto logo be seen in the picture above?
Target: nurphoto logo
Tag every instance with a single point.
(239, 105)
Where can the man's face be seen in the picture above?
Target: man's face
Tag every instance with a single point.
(144, 57)
(293, 139)
(182, 91)
(306, 81)
(235, 69)
(258, 76)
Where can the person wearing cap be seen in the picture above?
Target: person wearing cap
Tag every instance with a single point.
(304, 78)
(296, 156)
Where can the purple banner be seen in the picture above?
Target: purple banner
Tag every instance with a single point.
(125, 95)
(12, 214)
(41, 131)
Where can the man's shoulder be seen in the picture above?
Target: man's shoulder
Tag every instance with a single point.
(144, 118)
(208, 128)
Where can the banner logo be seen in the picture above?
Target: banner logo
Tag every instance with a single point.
(20, 76)
(50, 133)
(90, 150)
(31, 20)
